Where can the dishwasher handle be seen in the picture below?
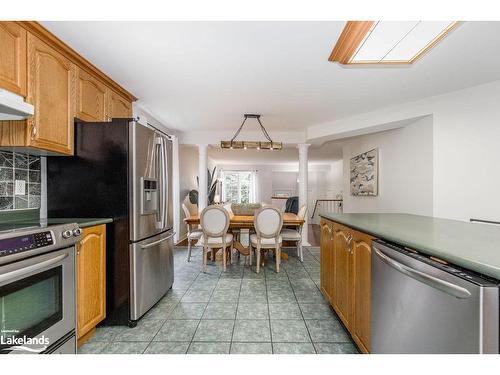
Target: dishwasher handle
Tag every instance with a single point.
(434, 282)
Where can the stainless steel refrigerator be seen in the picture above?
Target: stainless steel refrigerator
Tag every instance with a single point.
(121, 170)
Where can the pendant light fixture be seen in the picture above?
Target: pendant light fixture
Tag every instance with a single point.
(244, 145)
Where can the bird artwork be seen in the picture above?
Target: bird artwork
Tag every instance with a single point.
(364, 174)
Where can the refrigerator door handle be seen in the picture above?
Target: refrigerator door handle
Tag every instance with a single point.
(152, 244)
(433, 282)
(159, 177)
(165, 183)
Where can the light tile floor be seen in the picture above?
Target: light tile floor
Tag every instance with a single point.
(238, 311)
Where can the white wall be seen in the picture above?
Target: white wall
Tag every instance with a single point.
(467, 154)
(405, 179)
(188, 166)
(466, 139)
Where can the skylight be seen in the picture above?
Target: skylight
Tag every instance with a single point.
(388, 42)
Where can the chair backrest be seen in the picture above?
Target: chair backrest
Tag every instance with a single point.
(302, 212)
(214, 221)
(268, 222)
(186, 210)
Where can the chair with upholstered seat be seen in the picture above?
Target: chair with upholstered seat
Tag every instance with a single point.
(267, 222)
(214, 222)
(295, 235)
(192, 233)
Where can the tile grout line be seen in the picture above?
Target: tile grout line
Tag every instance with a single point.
(268, 312)
(237, 306)
(175, 305)
(203, 313)
(301, 313)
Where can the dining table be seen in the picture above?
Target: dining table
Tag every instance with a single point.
(246, 222)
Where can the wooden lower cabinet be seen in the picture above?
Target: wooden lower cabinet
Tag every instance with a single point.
(361, 250)
(349, 272)
(326, 259)
(342, 285)
(91, 280)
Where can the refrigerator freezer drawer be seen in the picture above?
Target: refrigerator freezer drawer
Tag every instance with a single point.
(151, 272)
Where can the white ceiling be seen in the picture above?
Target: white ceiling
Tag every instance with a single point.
(205, 75)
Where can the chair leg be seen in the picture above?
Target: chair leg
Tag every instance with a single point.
(250, 255)
(301, 252)
(224, 257)
(298, 249)
(258, 259)
(205, 256)
(278, 258)
(189, 250)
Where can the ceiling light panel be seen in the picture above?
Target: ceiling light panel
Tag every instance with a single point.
(381, 40)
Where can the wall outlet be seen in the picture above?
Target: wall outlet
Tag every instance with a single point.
(20, 187)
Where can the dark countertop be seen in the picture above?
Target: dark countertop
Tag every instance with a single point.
(82, 222)
(472, 246)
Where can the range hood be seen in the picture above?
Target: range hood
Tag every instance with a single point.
(13, 107)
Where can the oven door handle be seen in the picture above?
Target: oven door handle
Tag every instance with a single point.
(434, 282)
(30, 269)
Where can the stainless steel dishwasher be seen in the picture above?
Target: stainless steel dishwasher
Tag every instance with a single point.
(420, 305)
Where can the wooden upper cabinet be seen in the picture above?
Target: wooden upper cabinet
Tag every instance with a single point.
(361, 248)
(13, 57)
(342, 294)
(118, 107)
(52, 90)
(92, 98)
(91, 279)
(326, 259)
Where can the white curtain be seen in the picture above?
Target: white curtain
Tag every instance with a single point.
(255, 187)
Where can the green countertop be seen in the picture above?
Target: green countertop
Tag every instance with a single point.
(472, 246)
(82, 222)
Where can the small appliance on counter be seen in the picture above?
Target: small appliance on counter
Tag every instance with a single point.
(121, 170)
(37, 288)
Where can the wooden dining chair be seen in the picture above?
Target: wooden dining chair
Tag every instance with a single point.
(214, 222)
(267, 222)
(192, 233)
(295, 235)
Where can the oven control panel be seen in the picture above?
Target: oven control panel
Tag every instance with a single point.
(19, 244)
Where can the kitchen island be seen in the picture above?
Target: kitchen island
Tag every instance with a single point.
(470, 245)
(346, 257)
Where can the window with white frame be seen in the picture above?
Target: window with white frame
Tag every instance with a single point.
(238, 186)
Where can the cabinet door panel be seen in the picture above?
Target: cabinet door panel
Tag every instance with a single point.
(51, 89)
(91, 278)
(91, 98)
(362, 289)
(118, 106)
(326, 259)
(13, 57)
(342, 293)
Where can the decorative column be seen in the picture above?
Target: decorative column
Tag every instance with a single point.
(176, 199)
(202, 177)
(303, 177)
